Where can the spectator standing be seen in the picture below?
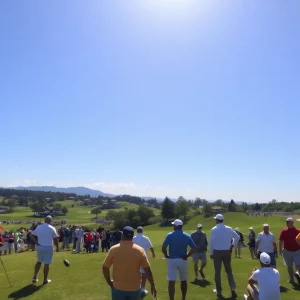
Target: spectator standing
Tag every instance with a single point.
(174, 249)
(104, 243)
(200, 240)
(268, 280)
(66, 238)
(1, 244)
(266, 243)
(237, 248)
(146, 244)
(116, 238)
(251, 243)
(88, 241)
(222, 240)
(290, 250)
(78, 236)
(8, 242)
(45, 235)
(127, 259)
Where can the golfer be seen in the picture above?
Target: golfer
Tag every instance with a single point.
(221, 246)
(290, 250)
(268, 280)
(127, 259)
(200, 240)
(44, 236)
(178, 242)
(266, 243)
(146, 244)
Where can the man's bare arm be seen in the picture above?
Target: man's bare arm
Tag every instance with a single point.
(280, 247)
(106, 275)
(151, 281)
(55, 240)
(164, 251)
(153, 253)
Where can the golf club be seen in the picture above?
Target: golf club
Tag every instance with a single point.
(5, 272)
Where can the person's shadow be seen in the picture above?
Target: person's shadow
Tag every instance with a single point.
(24, 292)
(203, 283)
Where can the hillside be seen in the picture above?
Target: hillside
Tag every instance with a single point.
(79, 190)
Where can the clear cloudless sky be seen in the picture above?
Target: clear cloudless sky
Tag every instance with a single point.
(152, 98)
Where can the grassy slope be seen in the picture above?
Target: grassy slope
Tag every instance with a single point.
(83, 280)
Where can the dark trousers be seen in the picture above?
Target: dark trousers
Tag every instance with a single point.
(223, 257)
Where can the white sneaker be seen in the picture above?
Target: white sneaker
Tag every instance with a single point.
(196, 278)
(245, 297)
(34, 280)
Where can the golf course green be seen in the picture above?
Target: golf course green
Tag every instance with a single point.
(84, 280)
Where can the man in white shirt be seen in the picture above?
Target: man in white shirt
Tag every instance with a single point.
(146, 244)
(267, 279)
(78, 238)
(266, 243)
(222, 240)
(44, 236)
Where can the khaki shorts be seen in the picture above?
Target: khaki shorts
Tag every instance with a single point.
(254, 292)
(199, 256)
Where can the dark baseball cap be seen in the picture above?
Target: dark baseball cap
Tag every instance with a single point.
(128, 231)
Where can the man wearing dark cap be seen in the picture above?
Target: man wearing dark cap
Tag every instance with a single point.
(177, 242)
(146, 244)
(127, 259)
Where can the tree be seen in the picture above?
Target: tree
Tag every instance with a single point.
(96, 211)
(168, 209)
(207, 210)
(144, 214)
(182, 207)
(232, 206)
(64, 210)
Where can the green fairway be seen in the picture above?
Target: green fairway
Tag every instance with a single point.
(83, 280)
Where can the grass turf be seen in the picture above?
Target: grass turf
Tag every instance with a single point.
(84, 280)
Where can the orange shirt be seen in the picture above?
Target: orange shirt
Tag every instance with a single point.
(126, 258)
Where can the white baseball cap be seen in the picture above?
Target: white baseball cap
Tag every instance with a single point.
(177, 222)
(237, 229)
(199, 225)
(265, 258)
(289, 219)
(219, 217)
(266, 225)
(251, 228)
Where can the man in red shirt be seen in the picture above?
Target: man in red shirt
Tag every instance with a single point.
(290, 249)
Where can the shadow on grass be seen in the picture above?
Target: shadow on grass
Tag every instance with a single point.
(296, 287)
(202, 283)
(24, 292)
(283, 289)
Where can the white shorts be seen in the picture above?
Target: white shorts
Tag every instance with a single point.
(177, 265)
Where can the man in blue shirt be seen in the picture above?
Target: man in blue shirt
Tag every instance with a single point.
(178, 242)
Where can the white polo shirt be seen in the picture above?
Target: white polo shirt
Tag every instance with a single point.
(221, 237)
(268, 280)
(143, 242)
(45, 234)
(265, 242)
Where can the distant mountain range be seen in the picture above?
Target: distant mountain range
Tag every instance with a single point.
(82, 191)
(79, 190)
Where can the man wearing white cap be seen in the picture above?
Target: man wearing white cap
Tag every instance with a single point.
(266, 243)
(267, 279)
(146, 244)
(222, 239)
(289, 248)
(200, 240)
(177, 242)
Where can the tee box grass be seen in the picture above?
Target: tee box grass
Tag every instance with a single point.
(83, 280)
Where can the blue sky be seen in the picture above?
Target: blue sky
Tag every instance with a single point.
(152, 98)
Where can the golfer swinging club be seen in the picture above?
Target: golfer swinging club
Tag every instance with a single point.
(44, 236)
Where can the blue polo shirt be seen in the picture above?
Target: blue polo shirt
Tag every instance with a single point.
(178, 242)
